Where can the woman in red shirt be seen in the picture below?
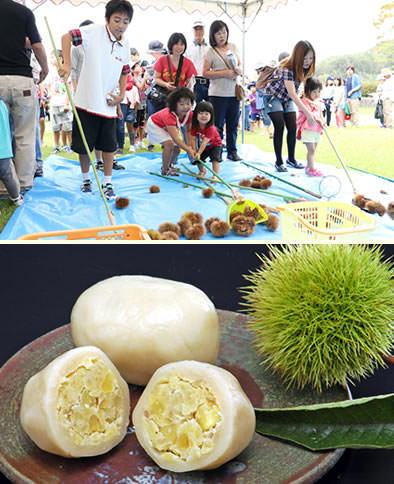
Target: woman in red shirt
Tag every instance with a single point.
(176, 47)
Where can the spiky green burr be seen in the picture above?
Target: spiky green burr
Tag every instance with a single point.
(321, 314)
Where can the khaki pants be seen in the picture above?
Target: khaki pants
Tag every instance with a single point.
(388, 113)
(19, 95)
(354, 105)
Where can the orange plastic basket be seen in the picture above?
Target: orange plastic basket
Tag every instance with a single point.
(307, 221)
(112, 232)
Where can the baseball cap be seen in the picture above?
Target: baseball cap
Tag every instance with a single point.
(259, 65)
(198, 23)
(283, 55)
(156, 46)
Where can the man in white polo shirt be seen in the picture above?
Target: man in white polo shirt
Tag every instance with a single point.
(196, 52)
(101, 86)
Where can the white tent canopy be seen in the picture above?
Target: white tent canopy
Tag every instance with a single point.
(241, 8)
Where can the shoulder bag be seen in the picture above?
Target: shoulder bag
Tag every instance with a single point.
(379, 109)
(265, 76)
(158, 94)
(239, 90)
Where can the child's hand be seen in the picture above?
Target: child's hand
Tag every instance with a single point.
(191, 152)
(113, 100)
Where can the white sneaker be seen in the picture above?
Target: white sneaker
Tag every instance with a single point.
(18, 201)
(132, 149)
(141, 144)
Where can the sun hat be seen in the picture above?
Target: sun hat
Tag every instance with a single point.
(156, 46)
(386, 72)
(198, 23)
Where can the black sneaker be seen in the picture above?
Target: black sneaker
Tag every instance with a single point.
(281, 168)
(117, 166)
(86, 186)
(100, 165)
(39, 171)
(234, 156)
(295, 164)
(109, 192)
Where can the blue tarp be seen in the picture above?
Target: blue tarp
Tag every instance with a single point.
(56, 203)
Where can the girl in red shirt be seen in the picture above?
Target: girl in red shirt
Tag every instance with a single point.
(164, 128)
(206, 137)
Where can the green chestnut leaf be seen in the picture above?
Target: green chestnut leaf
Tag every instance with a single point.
(356, 424)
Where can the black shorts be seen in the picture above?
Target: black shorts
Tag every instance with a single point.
(140, 118)
(214, 154)
(100, 133)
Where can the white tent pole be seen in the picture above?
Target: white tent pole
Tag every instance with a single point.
(243, 74)
(243, 30)
(39, 5)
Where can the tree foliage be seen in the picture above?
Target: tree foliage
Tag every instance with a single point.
(384, 22)
(368, 64)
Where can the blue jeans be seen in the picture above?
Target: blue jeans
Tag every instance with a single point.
(150, 109)
(201, 92)
(247, 117)
(120, 126)
(272, 104)
(227, 111)
(9, 178)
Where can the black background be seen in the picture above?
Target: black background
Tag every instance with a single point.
(41, 282)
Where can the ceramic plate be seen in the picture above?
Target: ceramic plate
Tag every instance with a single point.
(265, 460)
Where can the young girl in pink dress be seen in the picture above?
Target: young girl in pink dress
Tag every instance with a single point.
(310, 132)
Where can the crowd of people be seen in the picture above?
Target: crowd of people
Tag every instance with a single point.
(187, 97)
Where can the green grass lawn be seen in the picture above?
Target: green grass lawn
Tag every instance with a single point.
(367, 147)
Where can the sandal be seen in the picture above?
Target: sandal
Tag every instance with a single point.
(202, 174)
(169, 172)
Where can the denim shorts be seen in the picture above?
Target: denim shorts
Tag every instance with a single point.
(274, 104)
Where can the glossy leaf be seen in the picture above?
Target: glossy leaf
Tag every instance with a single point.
(361, 423)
